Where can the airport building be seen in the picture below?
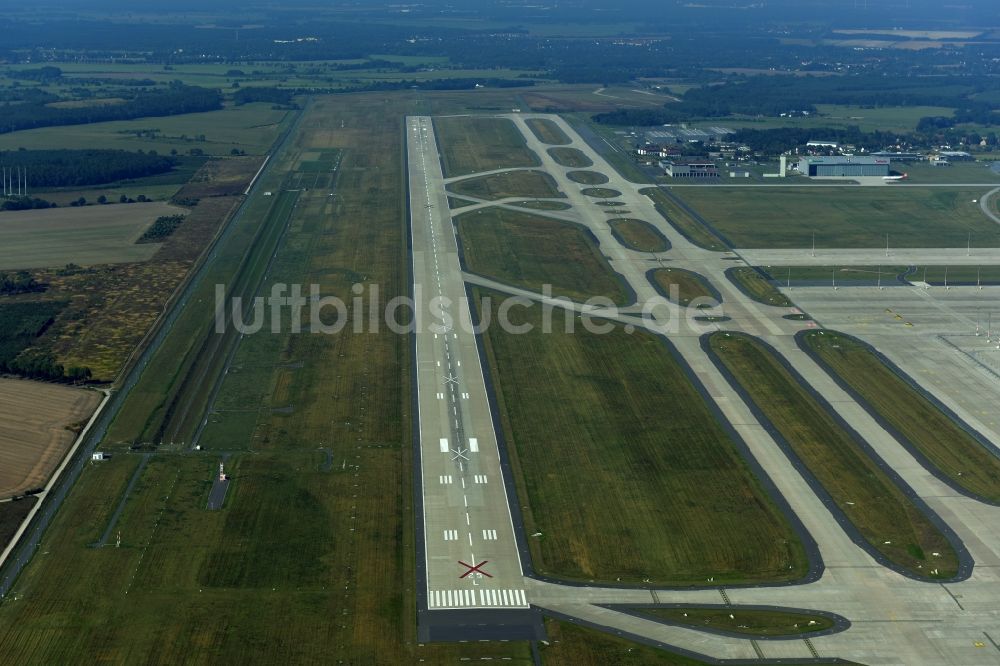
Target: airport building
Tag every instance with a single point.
(844, 165)
(680, 135)
(690, 168)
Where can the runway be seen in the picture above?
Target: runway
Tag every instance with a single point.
(470, 554)
(895, 620)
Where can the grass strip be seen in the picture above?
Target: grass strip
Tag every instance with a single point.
(895, 528)
(947, 446)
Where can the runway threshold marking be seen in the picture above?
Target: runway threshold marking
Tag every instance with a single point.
(474, 568)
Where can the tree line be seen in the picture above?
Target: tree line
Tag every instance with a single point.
(73, 168)
(175, 100)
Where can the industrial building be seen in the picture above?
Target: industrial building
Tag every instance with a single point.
(844, 165)
(690, 168)
(680, 135)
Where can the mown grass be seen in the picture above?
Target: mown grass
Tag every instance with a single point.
(572, 645)
(638, 235)
(533, 184)
(947, 445)
(957, 275)
(839, 275)
(530, 251)
(750, 621)
(548, 132)
(223, 576)
(879, 508)
(600, 192)
(756, 285)
(470, 144)
(542, 205)
(587, 177)
(678, 503)
(455, 202)
(855, 217)
(682, 287)
(570, 157)
(684, 222)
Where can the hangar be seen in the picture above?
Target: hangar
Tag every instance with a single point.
(844, 165)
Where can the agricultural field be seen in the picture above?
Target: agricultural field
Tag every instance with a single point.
(587, 177)
(548, 132)
(251, 128)
(48, 419)
(570, 157)
(638, 235)
(641, 450)
(871, 500)
(470, 144)
(533, 184)
(776, 217)
(12, 514)
(530, 251)
(947, 446)
(111, 307)
(757, 286)
(688, 286)
(84, 236)
(749, 621)
(684, 221)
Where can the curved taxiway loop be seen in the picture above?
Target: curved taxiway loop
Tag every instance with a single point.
(894, 619)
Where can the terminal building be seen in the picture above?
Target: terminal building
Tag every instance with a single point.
(690, 168)
(844, 165)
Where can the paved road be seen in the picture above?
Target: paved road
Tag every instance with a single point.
(953, 256)
(895, 620)
(471, 557)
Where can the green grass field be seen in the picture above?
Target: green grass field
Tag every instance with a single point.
(952, 275)
(757, 286)
(890, 119)
(750, 621)
(957, 172)
(948, 447)
(600, 192)
(828, 275)
(533, 184)
(776, 217)
(683, 221)
(871, 500)
(678, 503)
(587, 177)
(470, 144)
(573, 645)
(325, 541)
(570, 157)
(548, 132)
(638, 235)
(542, 205)
(84, 236)
(251, 128)
(689, 286)
(530, 251)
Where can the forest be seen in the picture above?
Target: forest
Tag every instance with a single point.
(74, 168)
(176, 99)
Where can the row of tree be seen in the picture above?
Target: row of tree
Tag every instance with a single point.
(75, 168)
(174, 100)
